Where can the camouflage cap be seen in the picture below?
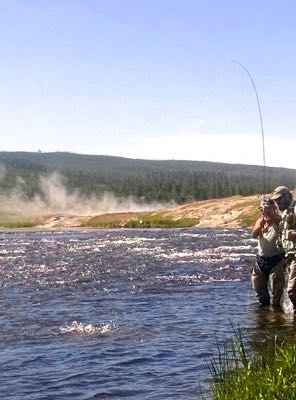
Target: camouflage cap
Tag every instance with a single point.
(279, 191)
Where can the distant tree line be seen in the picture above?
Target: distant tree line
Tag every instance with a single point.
(148, 180)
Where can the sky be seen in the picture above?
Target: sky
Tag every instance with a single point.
(150, 79)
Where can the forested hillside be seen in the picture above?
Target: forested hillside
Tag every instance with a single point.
(148, 180)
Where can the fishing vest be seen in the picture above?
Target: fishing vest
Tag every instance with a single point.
(288, 222)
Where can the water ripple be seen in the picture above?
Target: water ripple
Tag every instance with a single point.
(133, 314)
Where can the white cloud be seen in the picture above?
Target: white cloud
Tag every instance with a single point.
(242, 149)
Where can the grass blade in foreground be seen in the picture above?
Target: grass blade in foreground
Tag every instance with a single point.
(260, 373)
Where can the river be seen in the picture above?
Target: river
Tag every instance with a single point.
(122, 314)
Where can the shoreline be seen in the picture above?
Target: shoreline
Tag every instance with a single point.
(230, 212)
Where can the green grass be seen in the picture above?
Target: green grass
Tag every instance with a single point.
(139, 220)
(115, 220)
(19, 222)
(157, 220)
(250, 371)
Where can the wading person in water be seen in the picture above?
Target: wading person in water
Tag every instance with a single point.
(287, 235)
(268, 273)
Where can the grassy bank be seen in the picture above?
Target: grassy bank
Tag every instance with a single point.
(139, 220)
(12, 222)
(236, 211)
(255, 371)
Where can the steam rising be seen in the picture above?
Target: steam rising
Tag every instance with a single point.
(2, 171)
(57, 200)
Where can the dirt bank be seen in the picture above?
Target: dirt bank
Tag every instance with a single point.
(234, 211)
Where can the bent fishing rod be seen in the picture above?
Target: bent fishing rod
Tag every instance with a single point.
(261, 122)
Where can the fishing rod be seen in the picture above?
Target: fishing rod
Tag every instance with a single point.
(261, 122)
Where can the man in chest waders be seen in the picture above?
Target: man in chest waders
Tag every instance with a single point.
(268, 275)
(287, 235)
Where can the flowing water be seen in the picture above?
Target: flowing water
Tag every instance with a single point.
(122, 314)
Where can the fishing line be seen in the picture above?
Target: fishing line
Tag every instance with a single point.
(263, 149)
(261, 121)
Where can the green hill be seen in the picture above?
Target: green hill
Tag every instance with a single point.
(147, 180)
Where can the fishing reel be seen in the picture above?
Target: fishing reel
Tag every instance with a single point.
(268, 208)
(266, 203)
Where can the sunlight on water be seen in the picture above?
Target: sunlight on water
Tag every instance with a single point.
(169, 291)
(87, 329)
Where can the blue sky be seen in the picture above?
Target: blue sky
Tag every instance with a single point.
(149, 79)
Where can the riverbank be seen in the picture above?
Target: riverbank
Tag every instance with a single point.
(255, 370)
(234, 211)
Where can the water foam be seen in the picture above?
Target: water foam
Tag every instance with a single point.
(87, 329)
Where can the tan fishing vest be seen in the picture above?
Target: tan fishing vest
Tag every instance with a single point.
(288, 222)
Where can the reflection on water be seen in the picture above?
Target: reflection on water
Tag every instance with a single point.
(124, 313)
(270, 323)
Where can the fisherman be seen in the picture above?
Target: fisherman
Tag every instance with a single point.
(287, 235)
(268, 273)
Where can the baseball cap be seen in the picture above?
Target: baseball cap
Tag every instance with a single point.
(279, 191)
